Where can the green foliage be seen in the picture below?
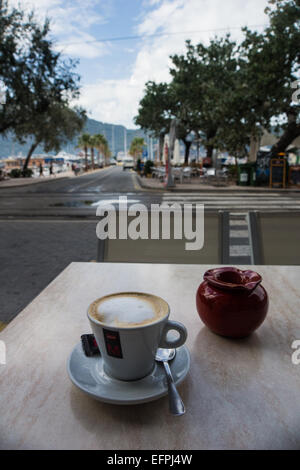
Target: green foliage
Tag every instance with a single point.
(148, 167)
(227, 93)
(84, 143)
(27, 173)
(154, 113)
(136, 147)
(18, 173)
(53, 129)
(101, 144)
(96, 141)
(15, 173)
(202, 80)
(38, 84)
(232, 171)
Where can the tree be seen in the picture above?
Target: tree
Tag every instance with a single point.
(268, 65)
(101, 145)
(154, 113)
(60, 125)
(283, 35)
(92, 145)
(136, 147)
(36, 79)
(229, 93)
(84, 143)
(203, 80)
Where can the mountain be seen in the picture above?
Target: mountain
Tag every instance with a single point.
(9, 146)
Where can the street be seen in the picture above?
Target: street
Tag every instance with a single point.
(78, 196)
(46, 226)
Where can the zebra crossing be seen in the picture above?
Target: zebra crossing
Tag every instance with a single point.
(240, 248)
(238, 200)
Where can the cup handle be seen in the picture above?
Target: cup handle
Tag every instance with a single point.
(175, 343)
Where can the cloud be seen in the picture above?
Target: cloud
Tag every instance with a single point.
(117, 100)
(82, 45)
(114, 101)
(70, 21)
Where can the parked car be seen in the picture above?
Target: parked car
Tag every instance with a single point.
(128, 163)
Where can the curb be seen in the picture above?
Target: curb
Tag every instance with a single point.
(34, 182)
(257, 189)
(51, 180)
(138, 186)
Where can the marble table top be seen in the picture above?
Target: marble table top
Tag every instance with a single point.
(239, 394)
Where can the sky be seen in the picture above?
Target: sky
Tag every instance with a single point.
(114, 72)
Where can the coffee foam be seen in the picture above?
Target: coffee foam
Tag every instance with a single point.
(128, 310)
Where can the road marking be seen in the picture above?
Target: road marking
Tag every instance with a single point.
(135, 182)
(238, 222)
(239, 250)
(90, 182)
(239, 240)
(114, 201)
(238, 233)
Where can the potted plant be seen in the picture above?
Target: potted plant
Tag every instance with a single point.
(148, 168)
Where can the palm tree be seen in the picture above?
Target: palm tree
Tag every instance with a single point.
(102, 146)
(92, 145)
(99, 140)
(84, 143)
(136, 147)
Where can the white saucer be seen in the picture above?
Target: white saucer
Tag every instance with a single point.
(88, 375)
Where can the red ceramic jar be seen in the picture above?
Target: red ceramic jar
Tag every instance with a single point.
(232, 302)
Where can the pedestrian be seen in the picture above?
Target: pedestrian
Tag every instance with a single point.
(51, 168)
(41, 169)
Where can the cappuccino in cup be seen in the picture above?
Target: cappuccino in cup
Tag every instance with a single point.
(129, 327)
(129, 310)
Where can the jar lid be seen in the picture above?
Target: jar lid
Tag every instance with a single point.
(230, 278)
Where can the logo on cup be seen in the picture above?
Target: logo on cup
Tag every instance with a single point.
(112, 343)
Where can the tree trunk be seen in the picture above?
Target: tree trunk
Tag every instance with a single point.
(86, 159)
(93, 161)
(254, 147)
(161, 146)
(31, 150)
(290, 134)
(187, 144)
(209, 151)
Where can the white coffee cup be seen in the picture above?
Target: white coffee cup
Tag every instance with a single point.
(128, 336)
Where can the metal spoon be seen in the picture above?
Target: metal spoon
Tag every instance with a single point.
(176, 405)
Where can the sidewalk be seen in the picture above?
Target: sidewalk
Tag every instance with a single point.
(17, 182)
(196, 186)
